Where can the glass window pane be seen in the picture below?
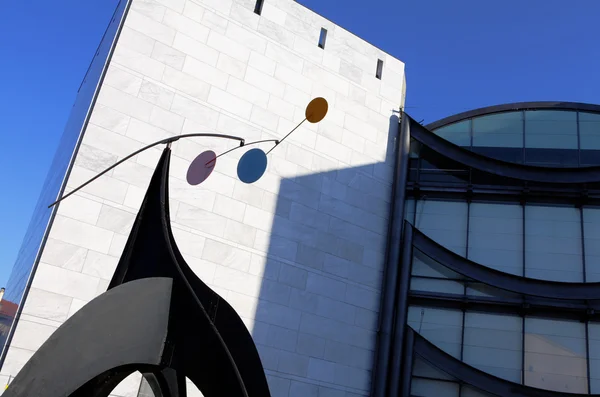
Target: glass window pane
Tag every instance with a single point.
(457, 133)
(468, 391)
(493, 344)
(555, 355)
(409, 210)
(442, 327)
(591, 230)
(445, 222)
(589, 132)
(553, 243)
(499, 130)
(435, 285)
(594, 360)
(496, 236)
(423, 369)
(433, 388)
(551, 138)
(550, 129)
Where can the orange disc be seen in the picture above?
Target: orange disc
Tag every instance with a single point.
(316, 110)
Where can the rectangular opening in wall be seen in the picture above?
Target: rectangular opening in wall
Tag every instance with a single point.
(322, 38)
(379, 70)
(258, 6)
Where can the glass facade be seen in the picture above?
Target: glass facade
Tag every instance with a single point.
(542, 232)
(554, 138)
(42, 215)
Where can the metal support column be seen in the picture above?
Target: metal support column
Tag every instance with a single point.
(390, 279)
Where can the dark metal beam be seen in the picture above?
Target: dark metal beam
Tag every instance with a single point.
(389, 284)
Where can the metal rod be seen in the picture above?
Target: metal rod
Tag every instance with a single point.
(289, 133)
(241, 146)
(162, 141)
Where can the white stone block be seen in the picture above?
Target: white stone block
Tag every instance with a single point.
(47, 305)
(175, 5)
(185, 83)
(248, 92)
(264, 118)
(276, 32)
(94, 159)
(149, 8)
(262, 63)
(285, 57)
(82, 234)
(193, 110)
(122, 80)
(290, 77)
(321, 370)
(331, 80)
(15, 359)
(231, 66)
(228, 46)
(229, 208)
(205, 72)
(193, 11)
(110, 119)
(166, 120)
(189, 243)
(222, 6)
(150, 27)
(331, 61)
(156, 94)
(61, 254)
(229, 103)
(200, 219)
(127, 104)
(81, 209)
(131, 38)
(235, 126)
(244, 16)
(100, 265)
(237, 281)
(214, 21)
(240, 233)
(274, 14)
(309, 49)
(264, 82)
(196, 49)
(65, 282)
(227, 255)
(246, 38)
(187, 26)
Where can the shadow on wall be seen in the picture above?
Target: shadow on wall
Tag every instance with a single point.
(316, 320)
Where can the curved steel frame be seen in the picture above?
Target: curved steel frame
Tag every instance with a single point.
(474, 377)
(499, 167)
(502, 280)
(507, 107)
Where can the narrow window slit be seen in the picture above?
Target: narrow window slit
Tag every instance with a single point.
(379, 70)
(322, 38)
(258, 7)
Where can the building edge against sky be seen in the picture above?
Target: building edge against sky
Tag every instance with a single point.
(299, 254)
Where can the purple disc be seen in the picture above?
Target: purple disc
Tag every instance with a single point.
(201, 168)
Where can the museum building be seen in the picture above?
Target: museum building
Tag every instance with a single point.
(375, 256)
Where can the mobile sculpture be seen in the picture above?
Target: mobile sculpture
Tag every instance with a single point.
(157, 317)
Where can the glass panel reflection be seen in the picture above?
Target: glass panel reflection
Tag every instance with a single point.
(553, 249)
(496, 236)
(591, 231)
(442, 327)
(493, 344)
(445, 222)
(548, 135)
(589, 138)
(555, 355)
(594, 358)
(499, 136)
(457, 133)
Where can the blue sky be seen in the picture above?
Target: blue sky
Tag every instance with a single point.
(459, 55)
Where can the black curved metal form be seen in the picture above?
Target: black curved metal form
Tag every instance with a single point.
(499, 167)
(509, 107)
(157, 318)
(474, 377)
(502, 280)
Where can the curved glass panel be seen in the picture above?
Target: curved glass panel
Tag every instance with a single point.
(555, 138)
(499, 136)
(589, 138)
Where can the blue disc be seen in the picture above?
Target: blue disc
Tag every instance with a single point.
(252, 166)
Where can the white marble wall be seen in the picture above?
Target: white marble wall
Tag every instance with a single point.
(309, 292)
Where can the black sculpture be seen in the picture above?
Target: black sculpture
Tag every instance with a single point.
(157, 317)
